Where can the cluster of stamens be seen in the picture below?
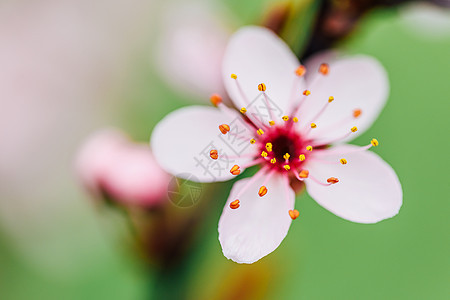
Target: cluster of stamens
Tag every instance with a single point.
(281, 149)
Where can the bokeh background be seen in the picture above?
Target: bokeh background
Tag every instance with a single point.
(68, 68)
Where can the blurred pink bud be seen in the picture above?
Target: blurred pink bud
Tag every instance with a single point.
(110, 163)
(190, 50)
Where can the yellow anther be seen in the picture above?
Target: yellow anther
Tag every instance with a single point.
(287, 167)
(243, 110)
(252, 141)
(260, 131)
(301, 70)
(354, 129)
(295, 119)
(285, 118)
(224, 128)
(273, 160)
(262, 191)
(332, 180)
(264, 154)
(303, 174)
(324, 69)
(309, 148)
(286, 156)
(261, 87)
(302, 157)
(271, 123)
(293, 214)
(269, 147)
(374, 142)
(213, 154)
(357, 113)
(235, 170)
(313, 125)
(306, 92)
(215, 99)
(343, 161)
(234, 76)
(330, 99)
(235, 204)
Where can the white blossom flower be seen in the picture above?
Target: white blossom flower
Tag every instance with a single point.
(291, 125)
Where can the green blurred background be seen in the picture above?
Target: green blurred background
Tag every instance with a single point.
(75, 250)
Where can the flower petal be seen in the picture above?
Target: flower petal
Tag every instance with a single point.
(368, 190)
(181, 143)
(358, 82)
(257, 55)
(258, 226)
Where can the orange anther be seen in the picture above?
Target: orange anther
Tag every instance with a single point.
(224, 128)
(235, 170)
(262, 191)
(294, 214)
(357, 113)
(215, 99)
(332, 180)
(324, 69)
(303, 174)
(235, 204)
(300, 71)
(213, 154)
(306, 92)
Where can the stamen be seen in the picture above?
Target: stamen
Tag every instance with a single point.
(260, 131)
(295, 119)
(374, 142)
(313, 125)
(234, 76)
(224, 128)
(285, 118)
(287, 167)
(269, 147)
(303, 173)
(261, 87)
(352, 130)
(306, 92)
(309, 148)
(332, 180)
(264, 154)
(214, 154)
(293, 214)
(321, 111)
(273, 160)
(301, 157)
(252, 141)
(324, 69)
(286, 156)
(357, 113)
(301, 70)
(262, 191)
(243, 110)
(235, 170)
(235, 204)
(271, 123)
(215, 99)
(343, 161)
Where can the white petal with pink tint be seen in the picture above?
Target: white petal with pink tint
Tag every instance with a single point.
(181, 143)
(359, 82)
(368, 190)
(256, 55)
(258, 226)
